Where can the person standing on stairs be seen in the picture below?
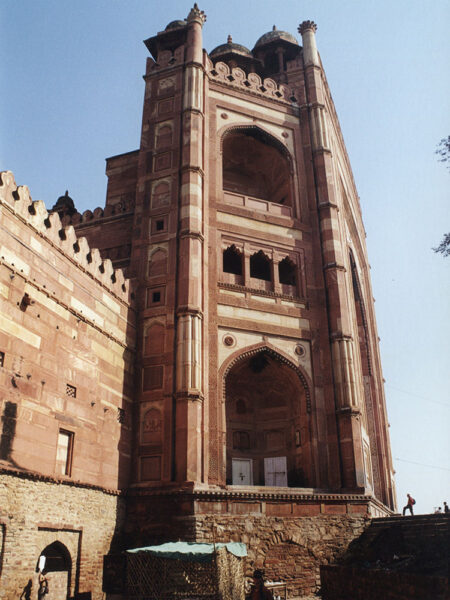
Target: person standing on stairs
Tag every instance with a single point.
(409, 505)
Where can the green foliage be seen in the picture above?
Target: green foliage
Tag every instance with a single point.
(443, 150)
(444, 246)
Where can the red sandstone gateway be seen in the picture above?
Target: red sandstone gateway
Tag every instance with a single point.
(199, 359)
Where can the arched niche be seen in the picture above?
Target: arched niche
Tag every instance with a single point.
(256, 164)
(164, 136)
(267, 422)
(161, 194)
(154, 339)
(157, 263)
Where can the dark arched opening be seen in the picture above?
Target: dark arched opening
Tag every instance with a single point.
(286, 272)
(232, 261)
(363, 332)
(256, 165)
(267, 425)
(56, 562)
(260, 266)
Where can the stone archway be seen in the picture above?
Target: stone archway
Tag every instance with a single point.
(57, 568)
(268, 435)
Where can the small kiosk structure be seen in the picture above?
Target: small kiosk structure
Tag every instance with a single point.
(186, 571)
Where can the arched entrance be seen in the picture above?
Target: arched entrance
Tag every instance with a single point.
(56, 564)
(268, 439)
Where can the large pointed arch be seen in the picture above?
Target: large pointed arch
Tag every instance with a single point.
(266, 418)
(271, 350)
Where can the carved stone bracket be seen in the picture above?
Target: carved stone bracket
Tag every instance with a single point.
(192, 396)
(195, 235)
(334, 265)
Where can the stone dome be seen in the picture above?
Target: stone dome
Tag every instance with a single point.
(65, 205)
(274, 35)
(176, 24)
(230, 47)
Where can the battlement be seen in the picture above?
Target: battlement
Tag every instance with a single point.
(62, 236)
(251, 82)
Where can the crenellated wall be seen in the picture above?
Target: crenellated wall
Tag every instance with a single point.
(67, 346)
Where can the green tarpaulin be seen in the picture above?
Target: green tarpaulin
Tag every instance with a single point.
(191, 550)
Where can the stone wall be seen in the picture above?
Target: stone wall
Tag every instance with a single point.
(67, 332)
(36, 512)
(289, 549)
(342, 583)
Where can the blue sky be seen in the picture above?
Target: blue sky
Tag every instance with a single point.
(72, 93)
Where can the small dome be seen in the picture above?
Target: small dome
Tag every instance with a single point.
(274, 35)
(65, 204)
(230, 47)
(176, 24)
(65, 201)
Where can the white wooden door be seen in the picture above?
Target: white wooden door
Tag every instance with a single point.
(275, 471)
(242, 471)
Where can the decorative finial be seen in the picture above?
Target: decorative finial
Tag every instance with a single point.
(307, 25)
(196, 15)
(229, 40)
(274, 28)
(67, 193)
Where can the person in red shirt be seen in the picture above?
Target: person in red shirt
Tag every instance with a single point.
(409, 505)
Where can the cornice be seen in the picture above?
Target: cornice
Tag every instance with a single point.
(250, 495)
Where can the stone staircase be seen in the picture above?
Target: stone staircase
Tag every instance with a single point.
(395, 558)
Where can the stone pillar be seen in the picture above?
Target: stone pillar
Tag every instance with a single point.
(189, 355)
(308, 29)
(276, 275)
(346, 372)
(280, 55)
(247, 281)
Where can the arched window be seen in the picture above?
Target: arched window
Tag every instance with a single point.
(260, 266)
(232, 261)
(286, 271)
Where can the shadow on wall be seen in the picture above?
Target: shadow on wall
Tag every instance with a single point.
(9, 421)
(26, 593)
